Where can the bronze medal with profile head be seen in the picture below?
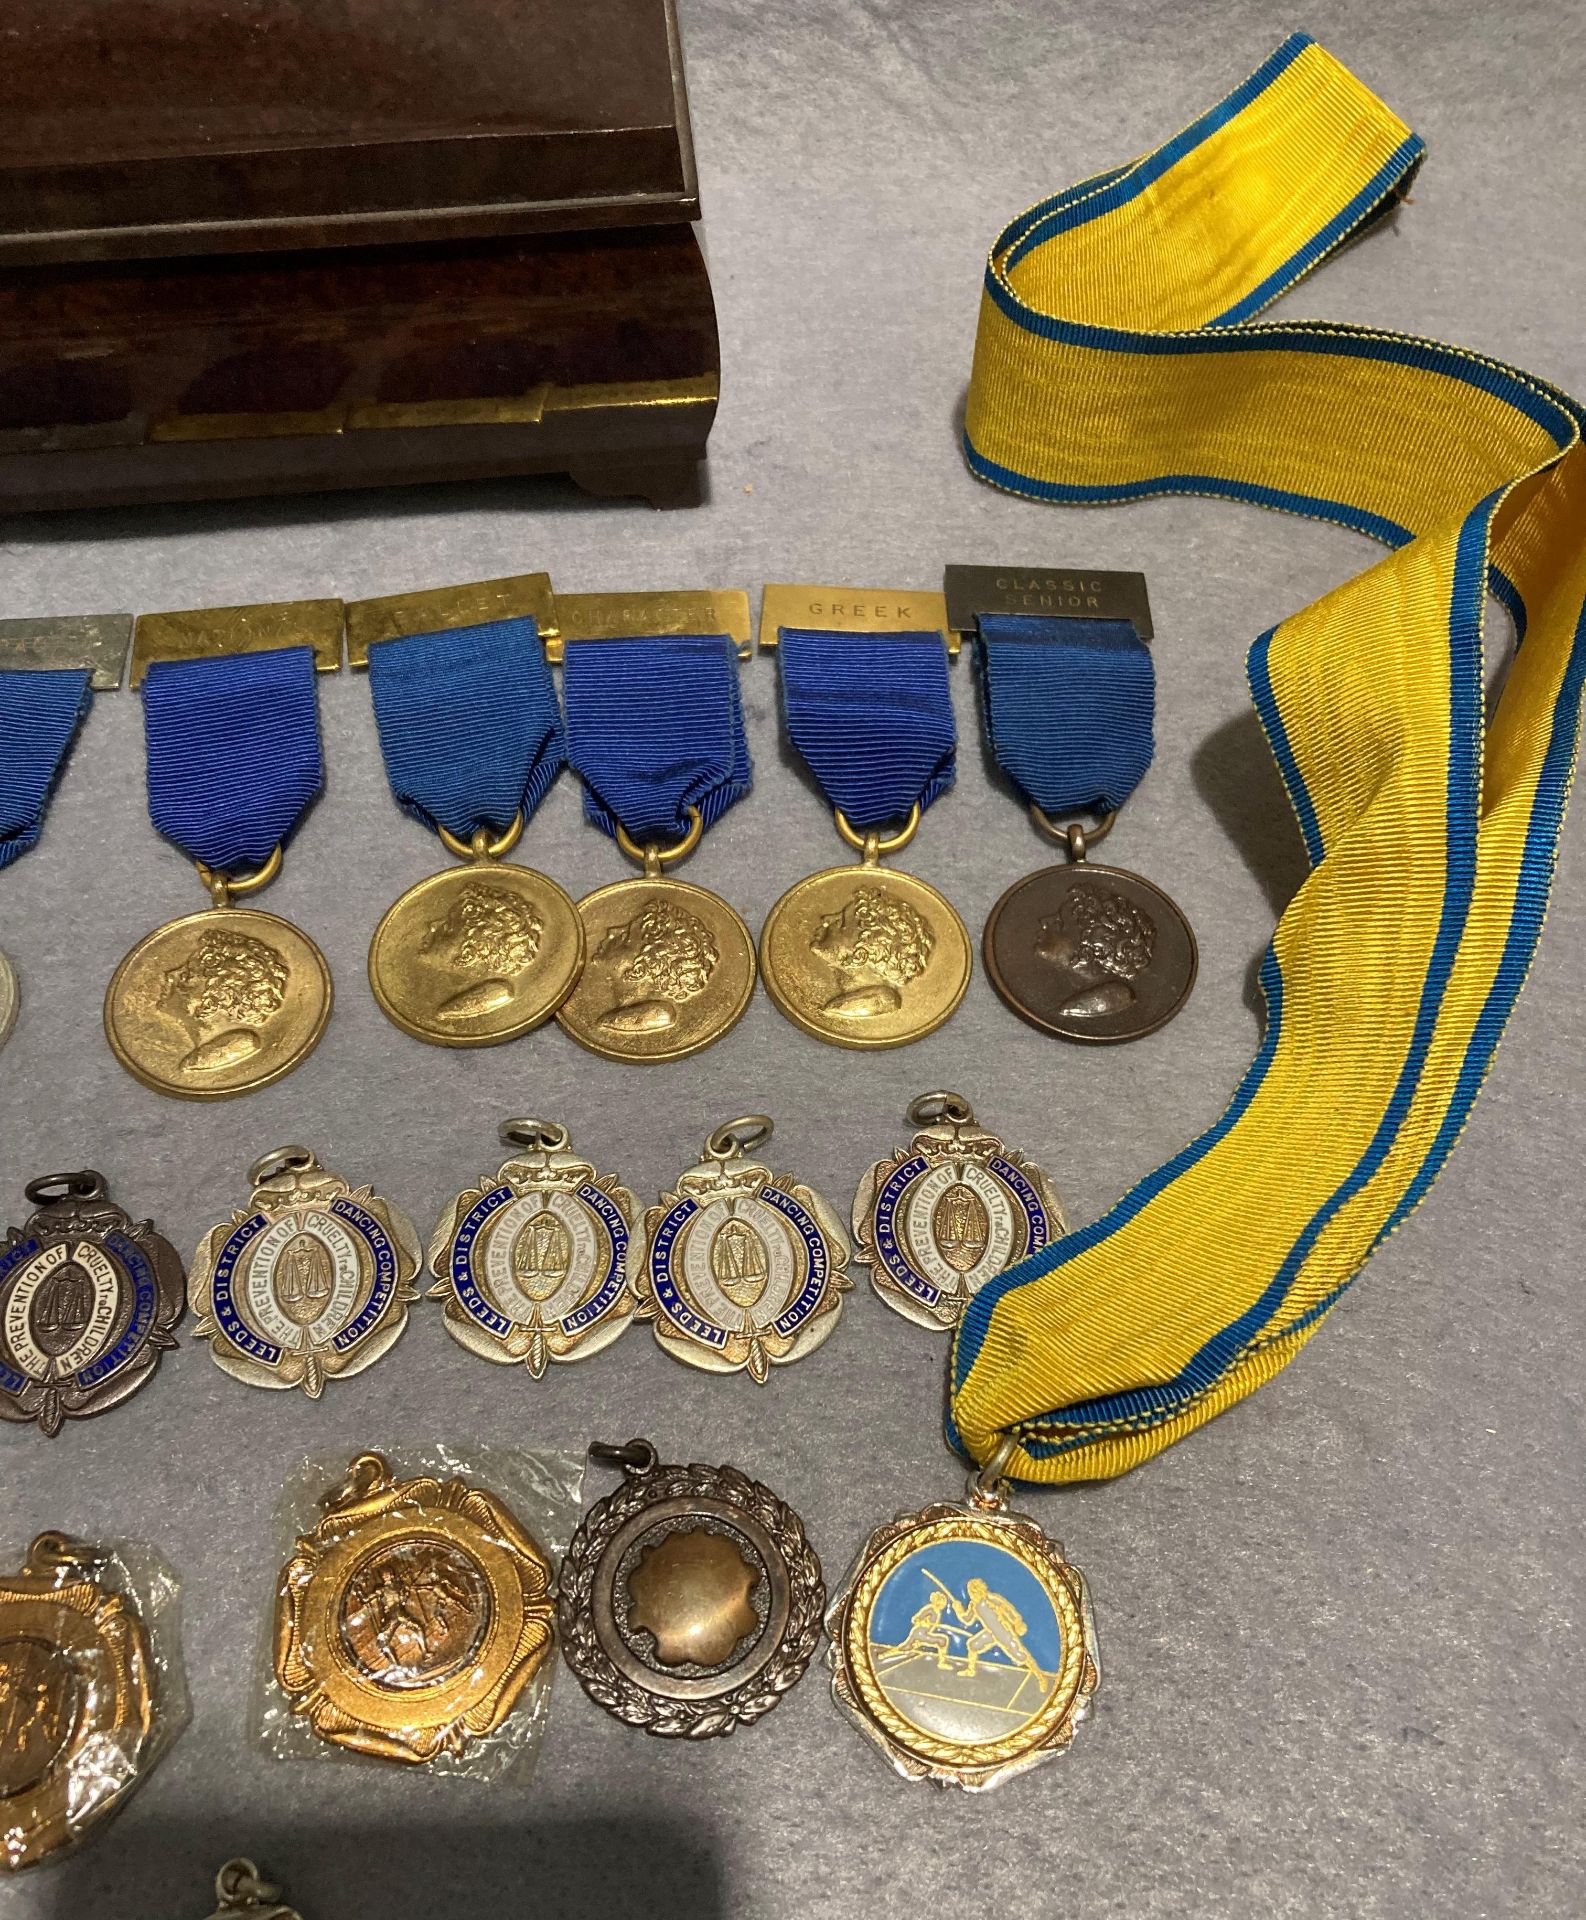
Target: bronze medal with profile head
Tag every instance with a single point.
(1090, 952)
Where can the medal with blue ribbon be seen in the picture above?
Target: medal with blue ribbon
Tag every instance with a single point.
(472, 737)
(229, 999)
(655, 731)
(866, 956)
(41, 708)
(1084, 951)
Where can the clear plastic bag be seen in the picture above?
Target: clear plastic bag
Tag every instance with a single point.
(413, 1620)
(92, 1692)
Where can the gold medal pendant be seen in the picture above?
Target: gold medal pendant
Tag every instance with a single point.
(532, 1262)
(741, 1270)
(78, 1689)
(412, 1617)
(479, 954)
(220, 1002)
(309, 1282)
(962, 1641)
(669, 968)
(938, 1218)
(866, 956)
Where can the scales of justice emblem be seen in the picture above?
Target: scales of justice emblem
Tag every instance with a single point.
(89, 1300)
(939, 1217)
(741, 1269)
(532, 1263)
(310, 1282)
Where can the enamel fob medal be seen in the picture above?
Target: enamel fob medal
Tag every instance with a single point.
(89, 1300)
(937, 1218)
(532, 1261)
(309, 1282)
(655, 731)
(741, 1269)
(228, 1000)
(47, 668)
(866, 955)
(1082, 951)
(412, 1616)
(962, 1641)
(690, 1600)
(472, 738)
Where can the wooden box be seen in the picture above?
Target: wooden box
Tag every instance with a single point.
(281, 245)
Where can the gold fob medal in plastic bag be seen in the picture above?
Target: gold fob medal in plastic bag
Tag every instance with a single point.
(412, 1617)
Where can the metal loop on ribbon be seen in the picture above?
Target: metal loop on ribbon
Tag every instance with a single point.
(653, 856)
(225, 887)
(482, 844)
(873, 844)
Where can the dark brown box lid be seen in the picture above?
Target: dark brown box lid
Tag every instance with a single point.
(131, 128)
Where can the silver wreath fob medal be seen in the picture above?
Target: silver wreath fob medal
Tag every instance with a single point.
(742, 1270)
(962, 1641)
(309, 1282)
(690, 1600)
(532, 1262)
(89, 1300)
(938, 1218)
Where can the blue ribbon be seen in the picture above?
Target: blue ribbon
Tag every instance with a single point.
(234, 753)
(655, 727)
(1070, 706)
(40, 712)
(469, 725)
(873, 718)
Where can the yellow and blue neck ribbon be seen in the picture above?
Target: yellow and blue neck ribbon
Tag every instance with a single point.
(1118, 357)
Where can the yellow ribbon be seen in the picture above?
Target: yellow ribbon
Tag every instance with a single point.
(1117, 358)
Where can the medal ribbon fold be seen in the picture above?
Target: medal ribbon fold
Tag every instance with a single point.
(654, 728)
(234, 753)
(40, 712)
(469, 724)
(1070, 706)
(1117, 358)
(872, 716)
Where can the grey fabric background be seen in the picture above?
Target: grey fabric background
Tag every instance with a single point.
(1341, 1625)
